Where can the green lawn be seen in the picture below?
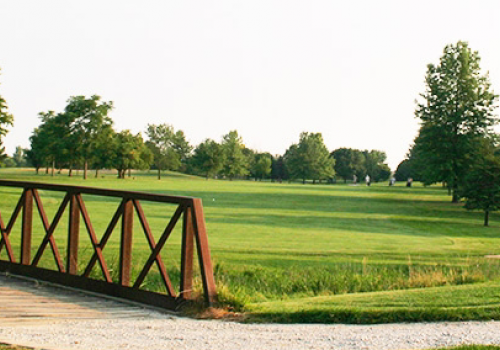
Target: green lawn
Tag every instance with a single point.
(12, 347)
(318, 253)
(474, 347)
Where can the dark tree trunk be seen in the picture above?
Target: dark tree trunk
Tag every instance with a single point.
(455, 198)
(486, 217)
(85, 165)
(159, 174)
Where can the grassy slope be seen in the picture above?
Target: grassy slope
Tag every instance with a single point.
(451, 303)
(285, 251)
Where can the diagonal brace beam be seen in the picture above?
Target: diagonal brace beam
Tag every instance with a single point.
(159, 246)
(152, 246)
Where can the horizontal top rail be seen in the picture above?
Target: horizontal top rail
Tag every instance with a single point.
(99, 191)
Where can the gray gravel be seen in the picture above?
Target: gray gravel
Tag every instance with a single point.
(160, 331)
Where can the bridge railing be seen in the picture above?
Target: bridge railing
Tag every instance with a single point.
(67, 272)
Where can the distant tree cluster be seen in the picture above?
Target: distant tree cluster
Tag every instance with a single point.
(309, 159)
(82, 137)
(456, 144)
(352, 162)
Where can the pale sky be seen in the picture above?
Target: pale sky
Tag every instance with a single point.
(268, 69)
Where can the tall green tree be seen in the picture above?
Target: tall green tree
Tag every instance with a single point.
(458, 106)
(309, 159)
(182, 147)
(279, 171)
(19, 157)
(50, 143)
(104, 150)
(349, 162)
(235, 161)
(207, 159)
(406, 170)
(88, 118)
(375, 165)
(168, 147)
(35, 154)
(130, 153)
(261, 167)
(6, 120)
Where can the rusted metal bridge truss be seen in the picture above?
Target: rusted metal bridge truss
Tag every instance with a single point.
(68, 272)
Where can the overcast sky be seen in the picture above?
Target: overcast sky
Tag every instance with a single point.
(268, 69)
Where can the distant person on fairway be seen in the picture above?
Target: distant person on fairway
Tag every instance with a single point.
(392, 181)
(367, 179)
(354, 179)
(409, 182)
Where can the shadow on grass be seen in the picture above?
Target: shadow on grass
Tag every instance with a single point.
(327, 203)
(422, 227)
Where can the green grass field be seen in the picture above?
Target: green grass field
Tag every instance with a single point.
(316, 253)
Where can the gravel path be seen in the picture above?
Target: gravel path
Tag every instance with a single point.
(159, 331)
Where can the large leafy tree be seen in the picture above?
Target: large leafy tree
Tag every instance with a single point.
(375, 165)
(235, 161)
(130, 153)
(6, 120)
(104, 151)
(207, 159)
(51, 144)
(406, 170)
(457, 108)
(182, 147)
(349, 162)
(261, 167)
(309, 159)
(35, 154)
(279, 170)
(169, 148)
(87, 119)
(19, 157)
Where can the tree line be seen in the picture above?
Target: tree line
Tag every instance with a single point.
(82, 137)
(87, 140)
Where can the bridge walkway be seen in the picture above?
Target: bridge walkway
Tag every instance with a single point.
(25, 301)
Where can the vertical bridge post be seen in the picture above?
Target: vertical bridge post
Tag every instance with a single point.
(27, 226)
(126, 242)
(73, 236)
(187, 254)
(194, 228)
